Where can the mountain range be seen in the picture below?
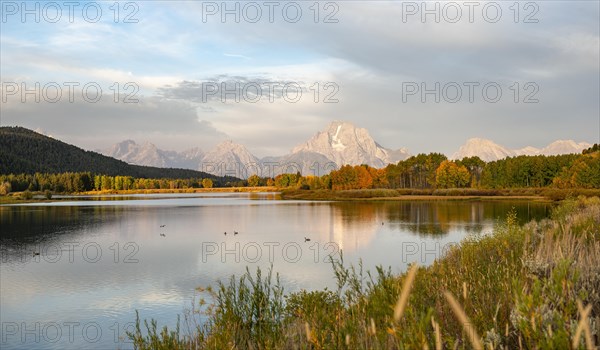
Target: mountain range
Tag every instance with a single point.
(339, 144)
(489, 151)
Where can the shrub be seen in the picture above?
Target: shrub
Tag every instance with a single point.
(26, 195)
(5, 188)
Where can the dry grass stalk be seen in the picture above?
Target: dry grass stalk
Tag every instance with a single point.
(583, 326)
(464, 320)
(438, 334)
(401, 304)
(307, 328)
(373, 328)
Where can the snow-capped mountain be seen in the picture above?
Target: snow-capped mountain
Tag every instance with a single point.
(308, 163)
(527, 151)
(229, 158)
(187, 159)
(148, 154)
(485, 149)
(489, 151)
(339, 144)
(344, 143)
(564, 147)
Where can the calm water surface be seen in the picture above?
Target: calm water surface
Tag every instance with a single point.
(102, 258)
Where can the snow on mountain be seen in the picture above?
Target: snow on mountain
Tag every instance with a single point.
(133, 153)
(229, 158)
(308, 163)
(149, 155)
(188, 159)
(339, 144)
(527, 151)
(485, 149)
(489, 151)
(344, 143)
(564, 147)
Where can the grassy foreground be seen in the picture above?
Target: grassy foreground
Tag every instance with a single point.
(535, 286)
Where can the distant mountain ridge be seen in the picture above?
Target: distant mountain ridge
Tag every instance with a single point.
(339, 144)
(149, 155)
(490, 151)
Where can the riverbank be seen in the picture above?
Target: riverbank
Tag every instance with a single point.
(530, 194)
(530, 286)
(34, 197)
(536, 194)
(187, 190)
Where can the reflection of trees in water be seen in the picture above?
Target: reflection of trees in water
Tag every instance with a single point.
(23, 227)
(437, 217)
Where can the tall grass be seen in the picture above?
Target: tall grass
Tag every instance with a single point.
(523, 287)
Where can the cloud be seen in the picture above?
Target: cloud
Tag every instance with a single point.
(170, 124)
(369, 52)
(237, 56)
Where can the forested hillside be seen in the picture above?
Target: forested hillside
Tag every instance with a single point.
(23, 151)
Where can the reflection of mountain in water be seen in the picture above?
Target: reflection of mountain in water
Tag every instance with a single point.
(352, 226)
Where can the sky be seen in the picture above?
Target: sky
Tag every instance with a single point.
(269, 75)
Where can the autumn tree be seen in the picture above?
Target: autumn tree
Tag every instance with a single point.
(345, 178)
(207, 183)
(253, 180)
(450, 175)
(363, 177)
(475, 167)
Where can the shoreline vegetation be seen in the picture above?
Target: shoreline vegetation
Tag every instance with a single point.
(458, 194)
(521, 287)
(545, 195)
(537, 194)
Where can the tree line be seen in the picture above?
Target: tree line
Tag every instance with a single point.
(85, 181)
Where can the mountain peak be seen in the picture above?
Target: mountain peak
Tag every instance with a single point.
(345, 143)
(228, 158)
(485, 149)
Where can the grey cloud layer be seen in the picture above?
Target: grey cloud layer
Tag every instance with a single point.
(369, 53)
